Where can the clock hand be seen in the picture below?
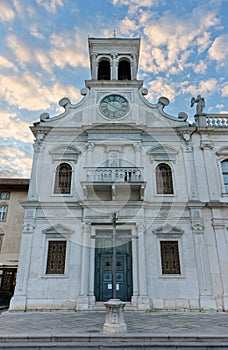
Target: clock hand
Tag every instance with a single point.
(115, 106)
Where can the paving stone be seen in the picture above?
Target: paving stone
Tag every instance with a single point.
(146, 330)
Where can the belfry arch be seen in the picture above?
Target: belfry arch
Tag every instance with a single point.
(124, 70)
(104, 70)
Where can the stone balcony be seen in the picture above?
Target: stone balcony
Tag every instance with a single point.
(114, 183)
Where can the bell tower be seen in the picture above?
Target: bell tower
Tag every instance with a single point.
(114, 58)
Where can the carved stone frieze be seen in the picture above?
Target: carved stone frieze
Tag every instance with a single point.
(206, 144)
(28, 227)
(140, 227)
(86, 228)
(198, 227)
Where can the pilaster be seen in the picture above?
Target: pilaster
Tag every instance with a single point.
(210, 166)
(38, 147)
(207, 302)
(19, 299)
(114, 67)
(221, 239)
(83, 301)
(190, 169)
(143, 300)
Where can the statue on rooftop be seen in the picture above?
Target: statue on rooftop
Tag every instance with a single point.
(200, 104)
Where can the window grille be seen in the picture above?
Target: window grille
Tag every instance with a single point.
(56, 257)
(164, 181)
(3, 211)
(224, 165)
(170, 257)
(63, 179)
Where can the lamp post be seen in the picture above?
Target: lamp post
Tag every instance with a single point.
(114, 320)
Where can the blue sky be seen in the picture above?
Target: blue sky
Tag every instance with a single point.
(44, 57)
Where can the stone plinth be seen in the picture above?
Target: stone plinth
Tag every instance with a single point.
(114, 320)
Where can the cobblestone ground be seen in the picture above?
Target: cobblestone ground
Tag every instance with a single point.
(75, 323)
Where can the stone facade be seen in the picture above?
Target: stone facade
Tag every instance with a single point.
(115, 152)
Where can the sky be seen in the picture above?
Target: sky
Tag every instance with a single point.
(44, 57)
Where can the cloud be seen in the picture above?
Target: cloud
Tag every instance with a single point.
(44, 60)
(22, 53)
(34, 31)
(162, 87)
(6, 12)
(200, 67)
(169, 42)
(69, 48)
(27, 92)
(134, 5)
(127, 26)
(4, 63)
(14, 162)
(170, 36)
(145, 3)
(204, 87)
(50, 5)
(11, 126)
(219, 49)
(225, 90)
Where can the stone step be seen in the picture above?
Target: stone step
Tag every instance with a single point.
(108, 342)
(99, 306)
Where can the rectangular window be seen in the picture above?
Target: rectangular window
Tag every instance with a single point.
(56, 257)
(170, 258)
(4, 195)
(3, 211)
(225, 174)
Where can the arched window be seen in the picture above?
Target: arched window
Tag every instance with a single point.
(104, 70)
(124, 70)
(63, 178)
(224, 166)
(164, 180)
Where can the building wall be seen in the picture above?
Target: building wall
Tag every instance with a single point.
(11, 227)
(178, 238)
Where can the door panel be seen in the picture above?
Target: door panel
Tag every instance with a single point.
(103, 273)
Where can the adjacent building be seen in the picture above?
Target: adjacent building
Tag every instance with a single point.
(166, 178)
(12, 193)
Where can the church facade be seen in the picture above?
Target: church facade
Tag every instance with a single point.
(166, 180)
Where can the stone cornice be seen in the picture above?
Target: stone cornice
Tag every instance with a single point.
(114, 83)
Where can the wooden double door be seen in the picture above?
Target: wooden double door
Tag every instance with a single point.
(103, 269)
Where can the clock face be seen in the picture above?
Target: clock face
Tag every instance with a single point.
(114, 106)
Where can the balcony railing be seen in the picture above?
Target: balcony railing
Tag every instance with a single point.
(217, 120)
(212, 120)
(114, 174)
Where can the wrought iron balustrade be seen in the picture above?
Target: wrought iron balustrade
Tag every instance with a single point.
(114, 174)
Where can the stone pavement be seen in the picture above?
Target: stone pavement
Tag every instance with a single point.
(83, 330)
